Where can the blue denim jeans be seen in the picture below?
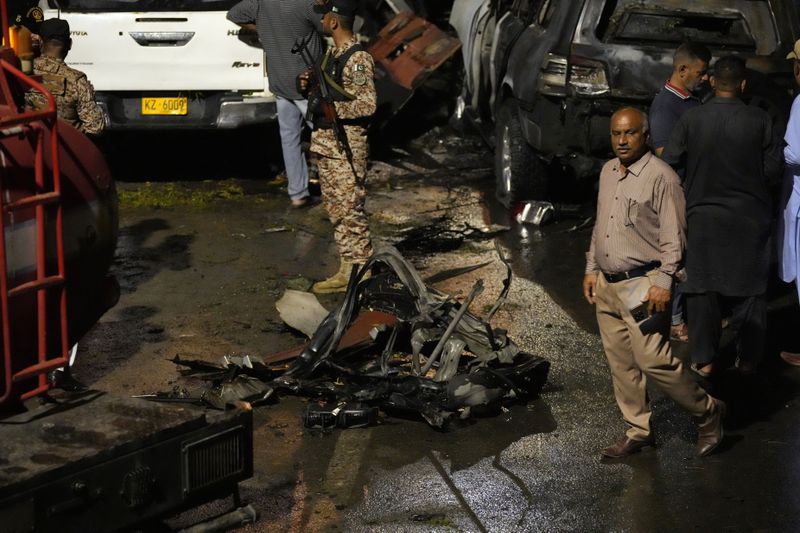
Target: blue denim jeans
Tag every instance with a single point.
(291, 117)
(678, 305)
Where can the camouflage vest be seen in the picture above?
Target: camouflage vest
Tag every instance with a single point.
(333, 68)
(60, 80)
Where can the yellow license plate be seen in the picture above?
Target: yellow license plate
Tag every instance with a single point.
(165, 106)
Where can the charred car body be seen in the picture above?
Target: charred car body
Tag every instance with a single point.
(542, 77)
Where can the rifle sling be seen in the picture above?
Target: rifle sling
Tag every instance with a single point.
(336, 87)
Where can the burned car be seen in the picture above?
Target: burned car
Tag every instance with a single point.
(543, 77)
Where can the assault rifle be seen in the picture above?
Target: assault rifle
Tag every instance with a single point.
(326, 102)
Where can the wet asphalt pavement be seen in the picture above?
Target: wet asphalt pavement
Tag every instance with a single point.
(202, 280)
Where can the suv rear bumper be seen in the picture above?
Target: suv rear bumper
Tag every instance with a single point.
(212, 110)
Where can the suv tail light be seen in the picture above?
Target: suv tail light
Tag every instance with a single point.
(553, 79)
(587, 77)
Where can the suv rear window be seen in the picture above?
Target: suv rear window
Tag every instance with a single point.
(85, 6)
(742, 26)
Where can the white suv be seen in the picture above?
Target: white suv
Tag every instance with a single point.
(167, 64)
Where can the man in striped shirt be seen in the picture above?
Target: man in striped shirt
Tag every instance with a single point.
(279, 24)
(636, 249)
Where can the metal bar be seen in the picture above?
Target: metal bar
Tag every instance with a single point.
(476, 290)
(41, 253)
(36, 285)
(8, 97)
(55, 166)
(39, 369)
(6, 329)
(37, 199)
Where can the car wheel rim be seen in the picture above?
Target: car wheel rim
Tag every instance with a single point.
(505, 155)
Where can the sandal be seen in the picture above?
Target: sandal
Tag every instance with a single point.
(679, 332)
(700, 370)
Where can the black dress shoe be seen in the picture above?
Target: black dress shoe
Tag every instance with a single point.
(710, 434)
(625, 447)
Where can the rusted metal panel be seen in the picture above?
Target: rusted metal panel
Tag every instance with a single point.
(356, 334)
(409, 48)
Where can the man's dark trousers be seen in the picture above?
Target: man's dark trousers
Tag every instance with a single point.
(748, 314)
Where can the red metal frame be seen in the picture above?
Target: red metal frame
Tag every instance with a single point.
(41, 124)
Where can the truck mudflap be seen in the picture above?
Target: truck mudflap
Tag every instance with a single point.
(104, 463)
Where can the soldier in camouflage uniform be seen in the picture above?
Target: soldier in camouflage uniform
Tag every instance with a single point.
(73, 93)
(349, 73)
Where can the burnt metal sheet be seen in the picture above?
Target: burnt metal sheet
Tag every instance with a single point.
(409, 48)
(406, 51)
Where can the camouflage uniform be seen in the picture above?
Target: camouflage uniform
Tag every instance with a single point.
(342, 194)
(73, 93)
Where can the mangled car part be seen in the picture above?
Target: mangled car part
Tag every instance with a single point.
(406, 51)
(343, 415)
(394, 344)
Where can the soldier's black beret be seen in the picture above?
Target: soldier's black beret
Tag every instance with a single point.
(345, 8)
(55, 29)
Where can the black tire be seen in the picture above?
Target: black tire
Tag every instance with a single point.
(519, 173)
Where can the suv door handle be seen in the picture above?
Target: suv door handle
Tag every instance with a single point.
(162, 38)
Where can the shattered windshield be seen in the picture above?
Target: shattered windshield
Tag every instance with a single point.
(142, 5)
(742, 26)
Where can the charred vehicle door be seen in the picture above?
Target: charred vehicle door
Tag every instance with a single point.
(473, 21)
(524, 17)
(530, 66)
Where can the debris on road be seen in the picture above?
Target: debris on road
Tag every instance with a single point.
(443, 235)
(301, 311)
(392, 344)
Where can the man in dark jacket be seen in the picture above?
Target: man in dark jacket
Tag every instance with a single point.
(727, 153)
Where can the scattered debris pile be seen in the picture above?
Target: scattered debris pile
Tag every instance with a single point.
(393, 344)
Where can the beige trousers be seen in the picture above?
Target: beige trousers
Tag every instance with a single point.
(634, 357)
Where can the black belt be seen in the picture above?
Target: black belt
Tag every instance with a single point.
(633, 273)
